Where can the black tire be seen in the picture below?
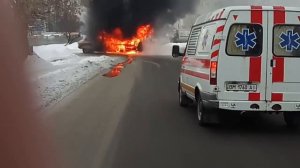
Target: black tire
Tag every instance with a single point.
(183, 99)
(201, 113)
(87, 51)
(292, 119)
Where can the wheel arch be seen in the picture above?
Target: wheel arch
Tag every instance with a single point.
(179, 82)
(198, 89)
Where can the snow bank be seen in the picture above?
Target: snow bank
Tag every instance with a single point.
(57, 70)
(55, 52)
(38, 65)
(74, 48)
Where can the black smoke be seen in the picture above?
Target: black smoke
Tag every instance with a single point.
(106, 15)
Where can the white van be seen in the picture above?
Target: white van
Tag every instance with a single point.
(245, 59)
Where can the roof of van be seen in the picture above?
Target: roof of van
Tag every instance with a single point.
(224, 12)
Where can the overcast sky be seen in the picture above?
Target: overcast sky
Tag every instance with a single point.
(206, 6)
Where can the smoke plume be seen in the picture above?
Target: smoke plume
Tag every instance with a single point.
(106, 15)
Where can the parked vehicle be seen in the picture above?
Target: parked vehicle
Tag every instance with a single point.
(86, 45)
(245, 59)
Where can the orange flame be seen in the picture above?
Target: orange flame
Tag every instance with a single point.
(115, 43)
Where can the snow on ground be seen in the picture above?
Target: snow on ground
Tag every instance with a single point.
(57, 70)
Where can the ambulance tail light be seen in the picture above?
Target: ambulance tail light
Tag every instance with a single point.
(213, 72)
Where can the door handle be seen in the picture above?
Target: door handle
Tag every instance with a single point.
(273, 63)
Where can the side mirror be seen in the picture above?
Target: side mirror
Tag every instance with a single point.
(176, 51)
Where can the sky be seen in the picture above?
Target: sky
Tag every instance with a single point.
(206, 6)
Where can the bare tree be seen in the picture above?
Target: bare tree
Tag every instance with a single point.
(23, 10)
(60, 15)
(69, 21)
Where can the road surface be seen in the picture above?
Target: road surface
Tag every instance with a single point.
(134, 121)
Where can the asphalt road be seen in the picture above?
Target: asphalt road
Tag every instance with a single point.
(134, 121)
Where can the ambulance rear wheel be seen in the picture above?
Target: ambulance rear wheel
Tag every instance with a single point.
(202, 113)
(292, 119)
(183, 99)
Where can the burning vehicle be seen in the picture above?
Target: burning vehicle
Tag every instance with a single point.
(115, 43)
(122, 26)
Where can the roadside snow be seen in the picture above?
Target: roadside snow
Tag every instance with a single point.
(57, 70)
(56, 52)
(38, 65)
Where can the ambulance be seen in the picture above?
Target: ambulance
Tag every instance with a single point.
(243, 59)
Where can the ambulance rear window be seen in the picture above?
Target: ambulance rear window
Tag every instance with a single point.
(286, 41)
(245, 40)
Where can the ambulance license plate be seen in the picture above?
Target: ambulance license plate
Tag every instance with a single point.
(241, 87)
